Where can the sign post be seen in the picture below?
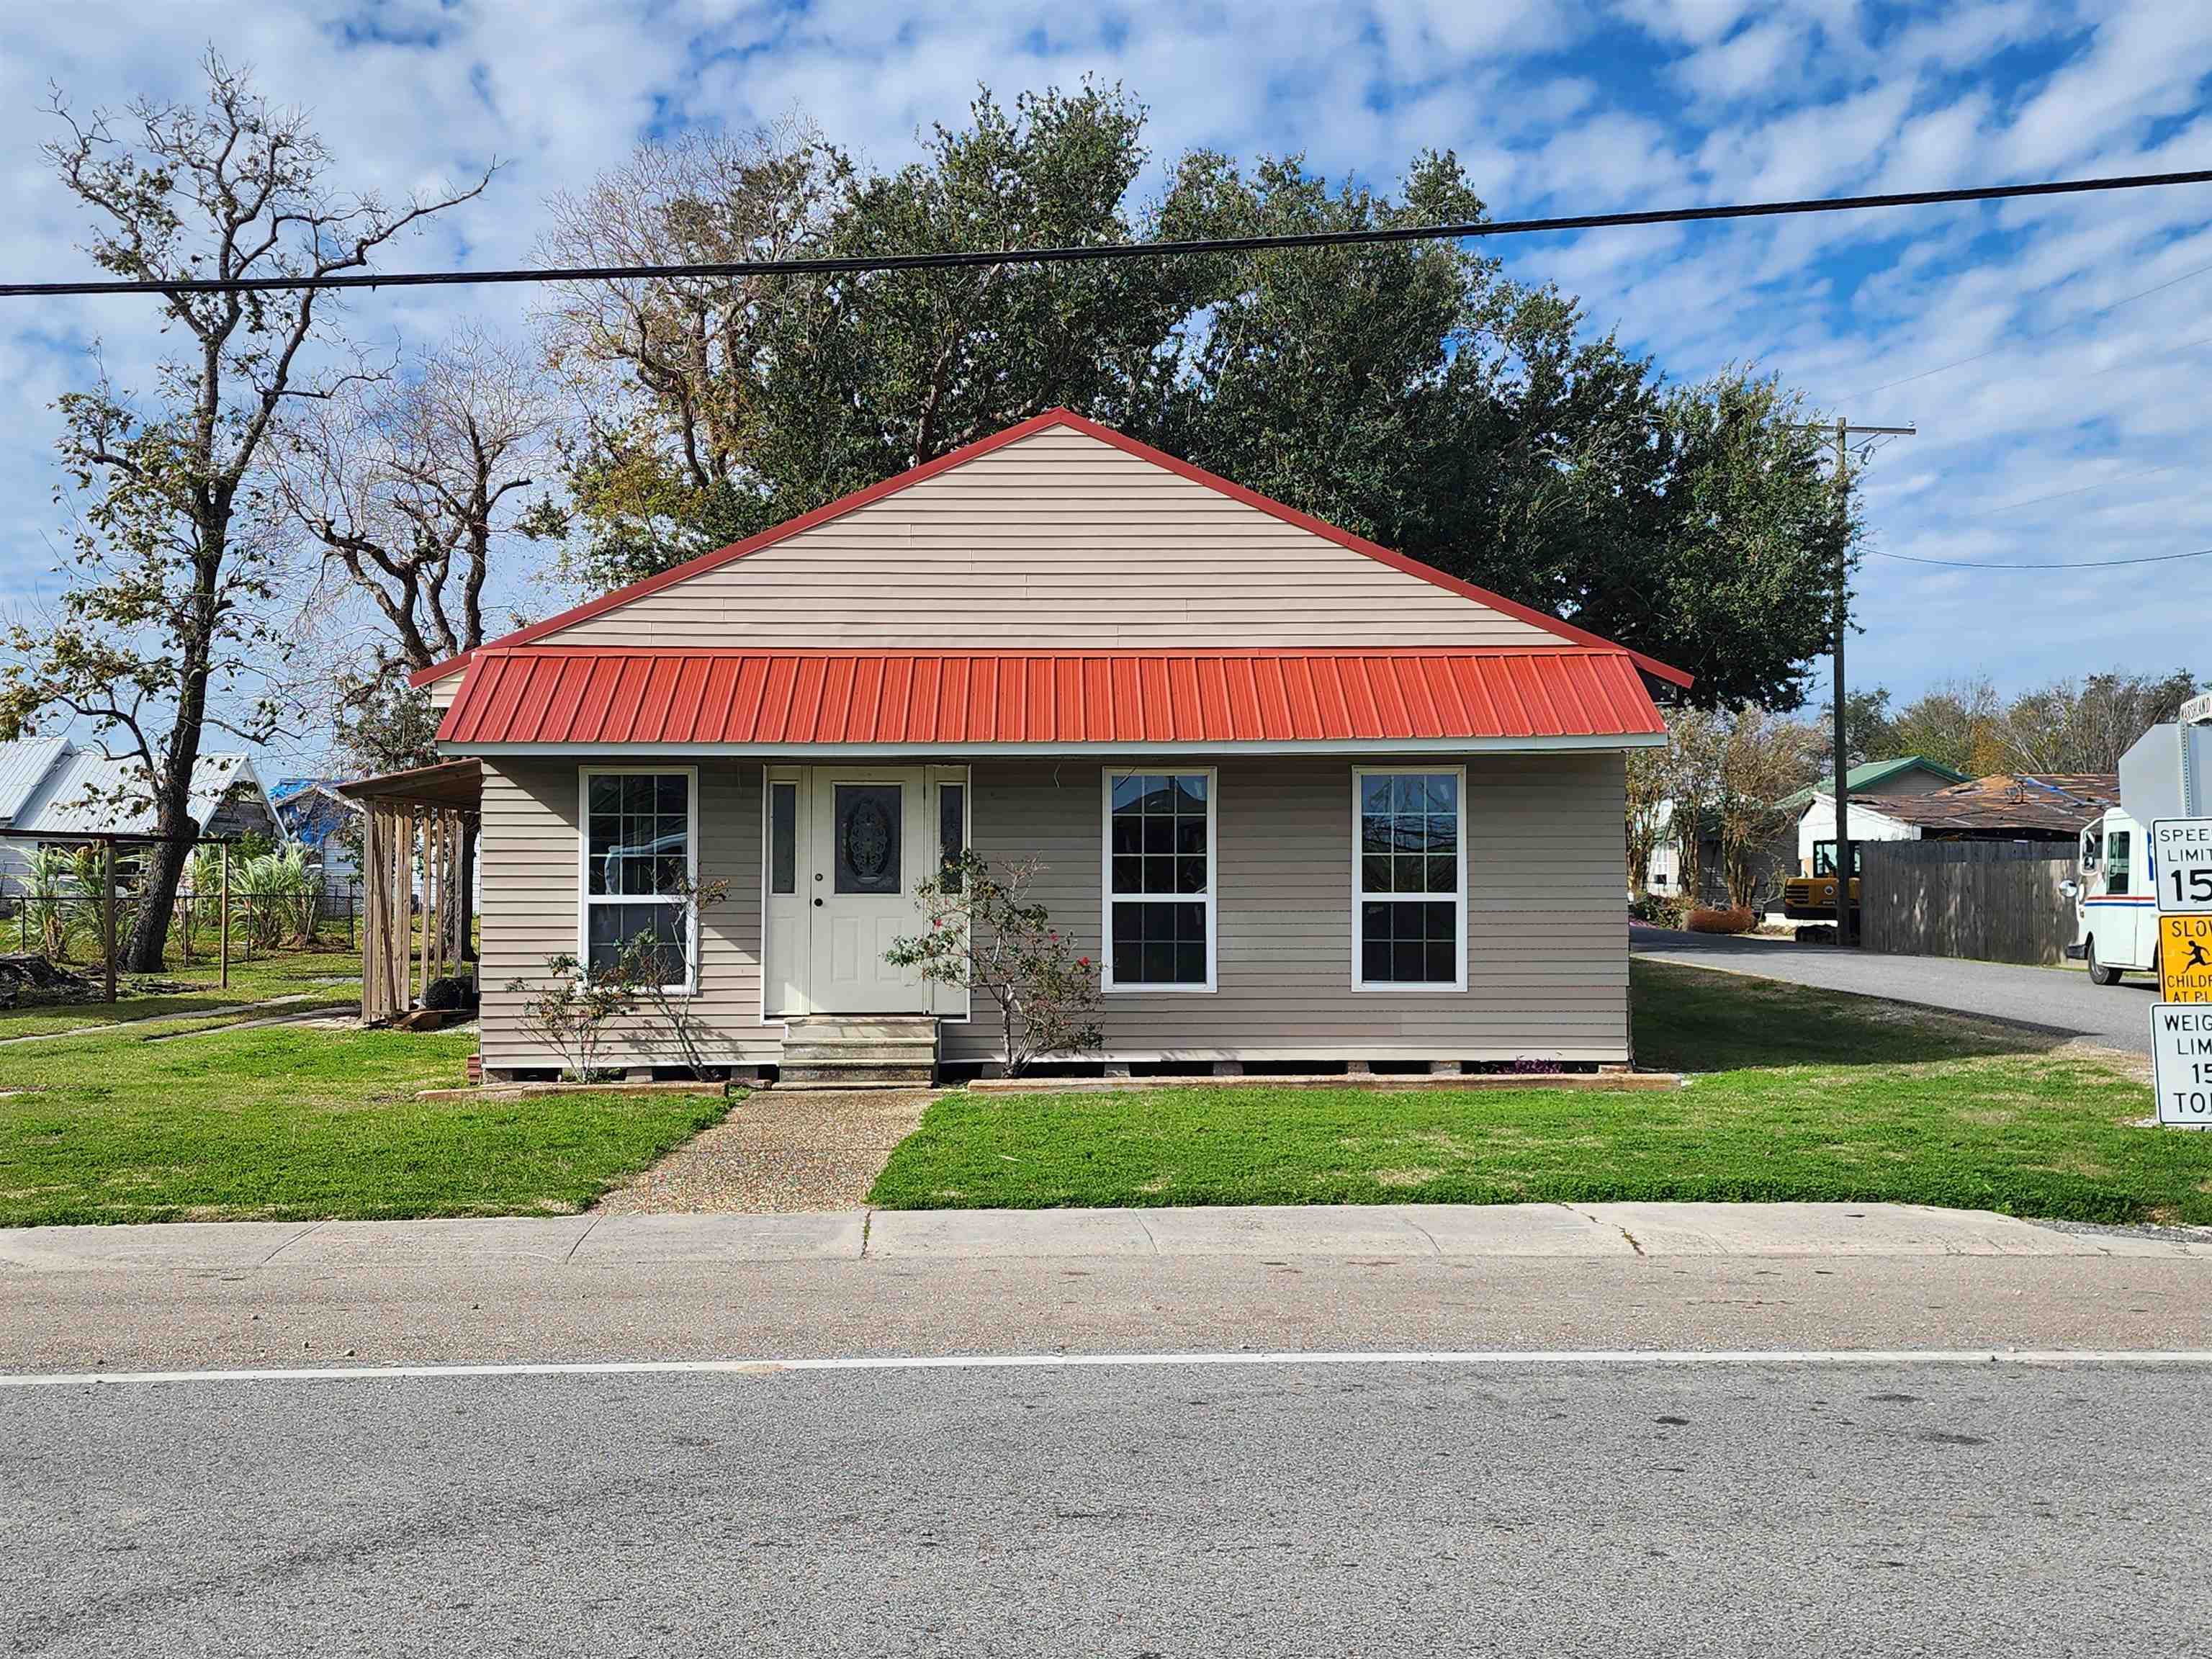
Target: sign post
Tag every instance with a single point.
(2181, 1024)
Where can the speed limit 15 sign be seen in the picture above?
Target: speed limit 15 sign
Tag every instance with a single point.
(2181, 856)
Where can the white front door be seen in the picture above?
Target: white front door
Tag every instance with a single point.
(871, 842)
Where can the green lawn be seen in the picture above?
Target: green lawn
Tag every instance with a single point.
(330, 977)
(292, 1122)
(1797, 1096)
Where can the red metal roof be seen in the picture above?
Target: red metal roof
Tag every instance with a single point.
(1568, 633)
(610, 697)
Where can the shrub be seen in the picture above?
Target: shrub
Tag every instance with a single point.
(984, 935)
(1741, 920)
(1658, 909)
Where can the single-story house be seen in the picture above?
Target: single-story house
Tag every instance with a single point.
(2004, 806)
(54, 793)
(1300, 797)
(1871, 783)
(1792, 851)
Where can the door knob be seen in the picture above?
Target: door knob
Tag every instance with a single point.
(817, 904)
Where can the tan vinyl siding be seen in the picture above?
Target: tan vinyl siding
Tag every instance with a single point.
(528, 912)
(443, 692)
(1059, 541)
(1547, 950)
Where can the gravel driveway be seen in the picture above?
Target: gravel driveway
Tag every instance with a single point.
(778, 1151)
(2056, 999)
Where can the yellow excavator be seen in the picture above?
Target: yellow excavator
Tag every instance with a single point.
(1813, 898)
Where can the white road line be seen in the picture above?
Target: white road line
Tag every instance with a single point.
(1644, 1358)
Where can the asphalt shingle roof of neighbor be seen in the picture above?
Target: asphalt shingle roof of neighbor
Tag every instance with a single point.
(1870, 774)
(2010, 800)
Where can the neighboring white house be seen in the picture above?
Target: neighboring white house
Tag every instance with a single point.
(1870, 783)
(1816, 830)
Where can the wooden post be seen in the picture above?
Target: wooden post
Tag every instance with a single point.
(107, 919)
(223, 945)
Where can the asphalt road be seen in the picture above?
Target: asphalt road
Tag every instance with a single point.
(1369, 1509)
(2058, 999)
(509, 1312)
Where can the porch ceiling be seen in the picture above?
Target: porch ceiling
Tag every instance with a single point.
(555, 698)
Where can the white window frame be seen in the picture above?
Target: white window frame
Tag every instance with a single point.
(1361, 898)
(1108, 898)
(584, 898)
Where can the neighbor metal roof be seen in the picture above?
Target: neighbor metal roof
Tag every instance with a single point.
(86, 793)
(570, 698)
(1867, 775)
(23, 763)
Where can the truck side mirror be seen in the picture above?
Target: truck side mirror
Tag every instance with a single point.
(2070, 887)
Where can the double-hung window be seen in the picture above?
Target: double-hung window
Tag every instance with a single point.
(1159, 881)
(640, 848)
(1409, 879)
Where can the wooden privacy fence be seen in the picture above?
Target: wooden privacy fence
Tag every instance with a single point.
(1995, 901)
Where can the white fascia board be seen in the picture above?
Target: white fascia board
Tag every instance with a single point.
(834, 752)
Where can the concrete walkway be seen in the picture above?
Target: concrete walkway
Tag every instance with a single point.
(779, 1152)
(1396, 1231)
(2056, 1000)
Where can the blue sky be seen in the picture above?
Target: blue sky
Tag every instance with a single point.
(2072, 433)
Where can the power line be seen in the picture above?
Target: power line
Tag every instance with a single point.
(2030, 339)
(864, 264)
(2082, 564)
(2083, 489)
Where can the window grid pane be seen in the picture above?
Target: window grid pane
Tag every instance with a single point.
(1158, 833)
(1158, 874)
(1158, 942)
(637, 847)
(1408, 873)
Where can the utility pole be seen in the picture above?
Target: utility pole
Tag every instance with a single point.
(1845, 432)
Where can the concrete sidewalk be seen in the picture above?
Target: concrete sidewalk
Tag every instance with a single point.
(1397, 1231)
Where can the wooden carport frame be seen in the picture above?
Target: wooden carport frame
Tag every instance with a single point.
(424, 817)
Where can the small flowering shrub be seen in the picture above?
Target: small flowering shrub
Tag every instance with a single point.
(988, 939)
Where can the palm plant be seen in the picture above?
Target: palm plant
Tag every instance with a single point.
(47, 889)
(277, 889)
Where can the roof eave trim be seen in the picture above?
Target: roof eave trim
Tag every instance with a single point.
(1354, 747)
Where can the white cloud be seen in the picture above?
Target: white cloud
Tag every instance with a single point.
(1551, 105)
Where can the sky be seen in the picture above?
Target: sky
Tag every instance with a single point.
(2053, 354)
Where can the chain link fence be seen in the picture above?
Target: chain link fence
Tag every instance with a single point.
(67, 927)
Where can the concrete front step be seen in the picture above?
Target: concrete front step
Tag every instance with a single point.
(864, 1028)
(855, 1077)
(860, 1051)
(814, 1053)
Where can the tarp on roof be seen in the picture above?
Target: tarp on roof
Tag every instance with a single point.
(569, 698)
